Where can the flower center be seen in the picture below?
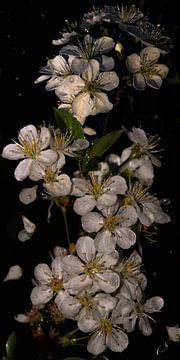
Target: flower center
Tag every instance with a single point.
(86, 301)
(90, 88)
(50, 175)
(60, 140)
(56, 284)
(29, 144)
(95, 187)
(106, 326)
(110, 222)
(138, 308)
(92, 268)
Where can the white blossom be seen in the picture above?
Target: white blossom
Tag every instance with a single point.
(30, 148)
(96, 191)
(48, 282)
(90, 269)
(145, 70)
(113, 227)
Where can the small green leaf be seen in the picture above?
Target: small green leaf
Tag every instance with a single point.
(10, 344)
(67, 122)
(101, 145)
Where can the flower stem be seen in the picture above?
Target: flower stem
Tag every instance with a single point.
(63, 210)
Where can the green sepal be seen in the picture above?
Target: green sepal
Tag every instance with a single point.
(65, 121)
(10, 345)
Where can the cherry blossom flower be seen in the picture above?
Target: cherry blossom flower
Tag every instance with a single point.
(112, 227)
(48, 282)
(88, 91)
(90, 269)
(148, 207)
(97, 191)
(131, 309)
(106, 332)
(90, 49)
(145, 70)
(31, 149)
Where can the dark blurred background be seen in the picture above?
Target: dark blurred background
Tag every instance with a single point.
(27, 29)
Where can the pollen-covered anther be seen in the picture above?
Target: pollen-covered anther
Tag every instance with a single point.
(56, 284)
(92, 268)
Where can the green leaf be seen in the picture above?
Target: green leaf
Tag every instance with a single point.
(101, 145)
(67, 122)
(10, 344)
(97, 149)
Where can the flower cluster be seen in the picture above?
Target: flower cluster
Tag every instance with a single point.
(96, 282)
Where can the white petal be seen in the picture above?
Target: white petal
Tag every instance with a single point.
(125, 238)
(44, 138)
(107, 63)
(85, 248)
(154, 81)
(68, 305)
(138, 136)
(89, 131)
(71, 85)
(139, 82)
(128, 215)
(42, 273)
(84, 204)
(154, 304)
(97, 343)
(56, 266)
(82, 106)
(145, 326)
(115, 185)
(105, 303)
(29, 226)
(161, 69)
(92, 70)
(107, 80)
(47, 157)
(72, 265)
(80, 187)
(22, 318)
(106, 200)
(41, 295)
(78, 283)
(13, 152)
(104, 242)
(92, 222)
(41, 78)
(150, 54)
(15, 272)
(28, 133)
(23, 235)
(28, 195)
(61, 187)
(23, 169)
(103, 44)
(87, 322)
(117, 341)
(133, 63)
(108, 281)
(101, 103)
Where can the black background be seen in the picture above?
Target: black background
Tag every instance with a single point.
(27, 29)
